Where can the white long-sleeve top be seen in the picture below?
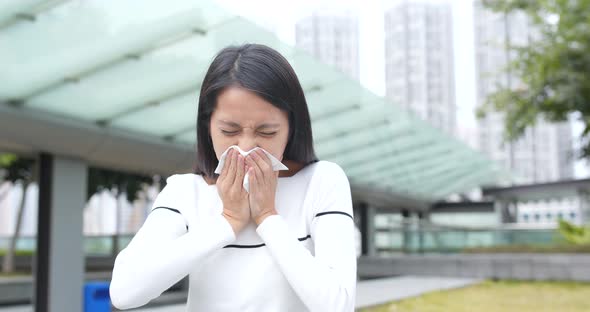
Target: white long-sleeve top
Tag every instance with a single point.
(302, 259)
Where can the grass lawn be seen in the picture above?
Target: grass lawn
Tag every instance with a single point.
(18, 252)
(15, 274)
(504, 296)
(555, 248)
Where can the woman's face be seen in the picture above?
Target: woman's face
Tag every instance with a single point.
(244, 119)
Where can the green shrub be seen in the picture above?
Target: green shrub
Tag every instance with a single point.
(573, 234)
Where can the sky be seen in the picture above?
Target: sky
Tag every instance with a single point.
(280, 17)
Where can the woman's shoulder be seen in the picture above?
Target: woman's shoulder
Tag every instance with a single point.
(324, 169)
(325, 176)
(178, 192)
(181, 178)
(177, 185)
(331, 189)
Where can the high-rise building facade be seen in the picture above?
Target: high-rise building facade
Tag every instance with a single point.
(332, 38)
(544, 152)
(419, 66)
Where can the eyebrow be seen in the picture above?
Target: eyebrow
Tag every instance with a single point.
(237, 125)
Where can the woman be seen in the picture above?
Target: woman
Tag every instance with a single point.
(287, 244)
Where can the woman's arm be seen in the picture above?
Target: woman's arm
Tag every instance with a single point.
(163, 252)
(326, 281)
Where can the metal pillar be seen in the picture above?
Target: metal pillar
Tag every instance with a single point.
(367, 228)
(59, 271)
(423, 217)
(406, 230)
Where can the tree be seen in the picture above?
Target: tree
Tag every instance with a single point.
(16, 169)
(125, 183)
(554, 69)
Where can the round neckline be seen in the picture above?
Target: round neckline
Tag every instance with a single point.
(279, 178)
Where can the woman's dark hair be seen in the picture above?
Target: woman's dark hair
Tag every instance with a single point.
(267, 73)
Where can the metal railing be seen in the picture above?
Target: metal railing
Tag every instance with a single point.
(402, 237)
(417, 237)
(107, 245)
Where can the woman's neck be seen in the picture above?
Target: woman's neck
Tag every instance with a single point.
(293, 166)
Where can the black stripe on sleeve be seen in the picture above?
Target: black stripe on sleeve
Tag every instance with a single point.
(171, 209)
(168, 208)
(244, 246)
(304, 238)
(262, 245)
(334, 212)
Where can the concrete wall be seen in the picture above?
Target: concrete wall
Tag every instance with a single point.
(16, 290)
(575, 267)
(19, 290)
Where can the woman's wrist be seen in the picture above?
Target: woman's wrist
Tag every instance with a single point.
(236, 224)
(259, 219)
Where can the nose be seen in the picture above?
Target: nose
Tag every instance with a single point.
(247, 142)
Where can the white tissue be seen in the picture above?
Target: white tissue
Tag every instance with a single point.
(276, 164)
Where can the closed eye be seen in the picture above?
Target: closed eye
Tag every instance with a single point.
(267, 133)
(229, 132)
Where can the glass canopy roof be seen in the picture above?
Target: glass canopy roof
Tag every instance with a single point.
(137, 66)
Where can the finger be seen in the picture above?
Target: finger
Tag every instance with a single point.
(239, 179)
(252, 164)
(223, 173)
(262, 164)
(231, 170)
(265, 165)
(256, 168)
(264, 157)
(227, 159)
(252, 180)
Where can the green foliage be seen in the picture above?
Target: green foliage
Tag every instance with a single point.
(554, 69)
(129, 183)
(6, 160)
(16, 168)
(578, 235)
(20, 168)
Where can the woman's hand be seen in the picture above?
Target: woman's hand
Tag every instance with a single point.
(263, 186)
(232, 193)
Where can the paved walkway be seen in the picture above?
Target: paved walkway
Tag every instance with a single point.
(371, 292)
(379, 291)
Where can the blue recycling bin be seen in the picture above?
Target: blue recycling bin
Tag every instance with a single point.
(96, 297)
